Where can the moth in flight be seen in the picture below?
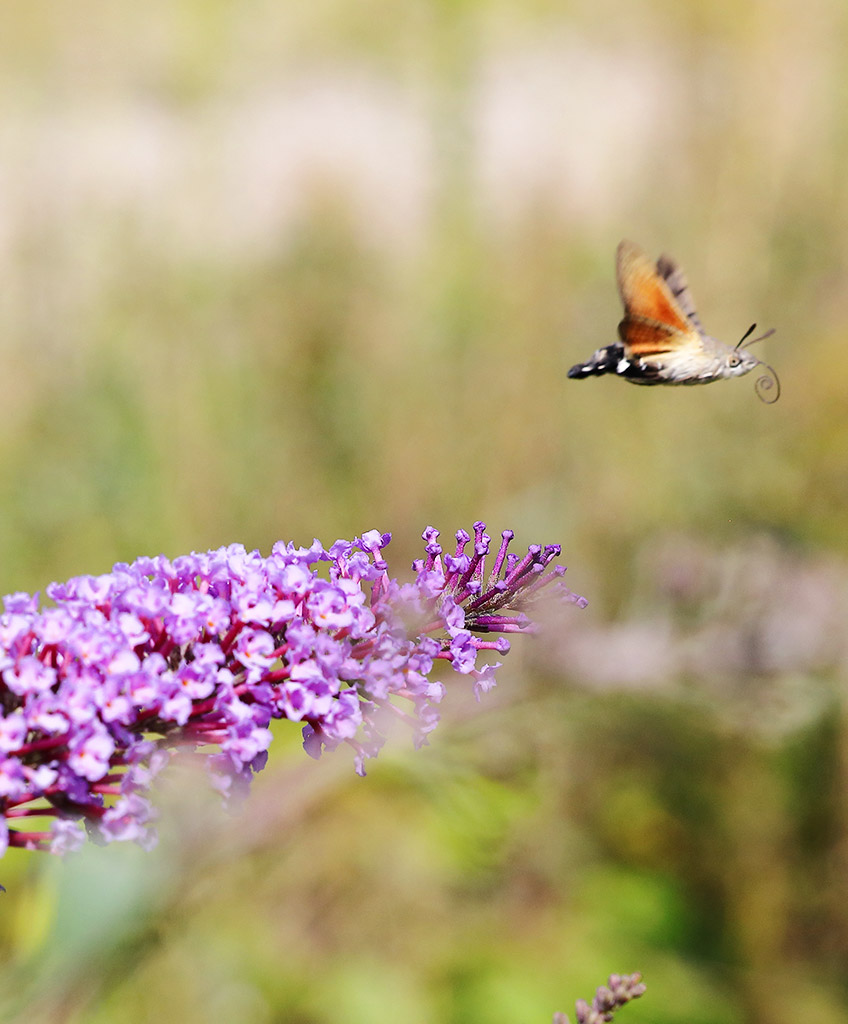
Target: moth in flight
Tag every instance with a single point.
(662, 340)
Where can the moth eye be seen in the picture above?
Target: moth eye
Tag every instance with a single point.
(734, 359)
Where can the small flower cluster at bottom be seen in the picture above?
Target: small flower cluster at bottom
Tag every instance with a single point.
(619, 990)
(98, 690)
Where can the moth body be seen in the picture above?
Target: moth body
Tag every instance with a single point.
(711, 361)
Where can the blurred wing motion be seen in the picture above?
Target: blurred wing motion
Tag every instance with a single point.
(662, 340)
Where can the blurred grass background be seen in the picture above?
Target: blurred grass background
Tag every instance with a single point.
(304, 269)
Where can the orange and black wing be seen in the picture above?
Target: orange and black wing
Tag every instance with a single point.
(672, 273)
(653, 321)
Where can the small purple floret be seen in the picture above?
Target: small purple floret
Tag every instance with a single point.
(205, 650)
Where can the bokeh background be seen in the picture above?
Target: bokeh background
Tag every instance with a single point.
(283, 270)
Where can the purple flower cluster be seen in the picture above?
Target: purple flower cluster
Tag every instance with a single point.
(99, 689)
(618, 991)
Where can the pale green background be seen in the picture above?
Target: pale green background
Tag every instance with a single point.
(285, 269)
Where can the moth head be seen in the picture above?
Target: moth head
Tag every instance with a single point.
(740, 361)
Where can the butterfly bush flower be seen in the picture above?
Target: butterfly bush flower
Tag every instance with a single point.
(99, 690)
(619, 990)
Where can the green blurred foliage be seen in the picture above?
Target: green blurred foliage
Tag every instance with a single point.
(294, 270)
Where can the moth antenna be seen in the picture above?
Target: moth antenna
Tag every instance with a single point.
(747, 333)
(753, 341)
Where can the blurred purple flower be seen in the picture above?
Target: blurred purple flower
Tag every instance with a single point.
(100, 690)
(618, 991)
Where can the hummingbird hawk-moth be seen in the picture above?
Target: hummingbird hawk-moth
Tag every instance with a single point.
(662, 340)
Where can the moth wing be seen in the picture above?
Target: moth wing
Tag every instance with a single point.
(644, 291)
(647, 337)
(672, 273)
